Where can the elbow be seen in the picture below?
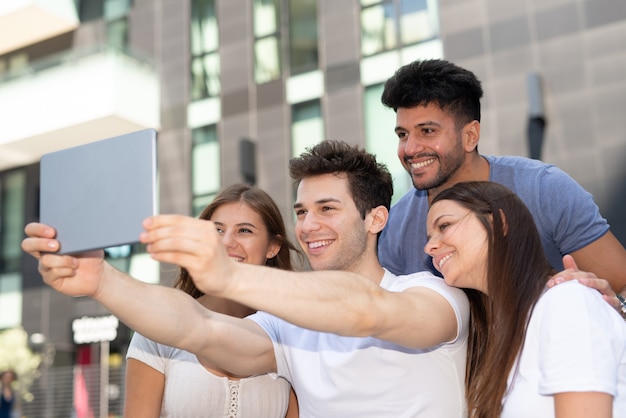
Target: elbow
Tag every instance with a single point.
(363, 322)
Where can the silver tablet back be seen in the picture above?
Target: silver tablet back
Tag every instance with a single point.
(97, 195)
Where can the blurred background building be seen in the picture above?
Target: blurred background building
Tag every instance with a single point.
(237, 87)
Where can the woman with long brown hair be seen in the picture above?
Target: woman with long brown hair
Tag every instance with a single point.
(532, 352)
(168, 382)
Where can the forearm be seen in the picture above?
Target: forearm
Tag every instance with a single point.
(172, 317)
(164, 315)
(329, 301)
(606, 258)
(346, 304)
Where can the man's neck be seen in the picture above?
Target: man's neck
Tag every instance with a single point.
(369, 268)
(475, 168)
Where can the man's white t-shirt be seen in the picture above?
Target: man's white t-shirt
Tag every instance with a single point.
(336, 376)
(575, 342)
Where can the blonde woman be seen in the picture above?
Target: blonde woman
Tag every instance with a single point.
(163, 381)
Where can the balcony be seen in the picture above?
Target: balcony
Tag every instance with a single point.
(25, 22)
(73, 99)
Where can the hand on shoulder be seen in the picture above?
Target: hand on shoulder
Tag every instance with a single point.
(588, 279)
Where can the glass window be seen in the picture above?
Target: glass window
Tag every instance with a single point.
(12, 198)
(204, 32)
(205, 62)
(116, 9)
(390, 24)
(266, 60)
(378, 29)
(91, 10)
(418, 22)
(117, 33)
(303, 51)
(205, 176)
(205, 73)
(267, 41)
(266, 18)
(115, 13)
(307, 126)
(12, 191)
(381, 140)
(10, 299)
(119, 257)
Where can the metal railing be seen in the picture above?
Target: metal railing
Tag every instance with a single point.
(76, 392)
(71, 56)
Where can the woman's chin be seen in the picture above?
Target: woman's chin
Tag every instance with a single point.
(449, 281)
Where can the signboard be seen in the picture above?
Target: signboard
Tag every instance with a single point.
(94, 329)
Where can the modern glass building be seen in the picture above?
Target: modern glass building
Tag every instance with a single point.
(235, 88)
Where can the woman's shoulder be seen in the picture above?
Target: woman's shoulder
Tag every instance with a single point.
(575, 303)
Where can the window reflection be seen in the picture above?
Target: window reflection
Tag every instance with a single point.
(378, 29)
(205, 72)
(266, 60)
(12, 190)
(418, 21)
(390, 24)
(204, 44)
(307, 126)
(11, 299)
(116, 9)
(267, 63)
(117, 33)
(205, 166)
(303, 51)
(381, 141)
(12, 205)
(115, 15)
(266, 17)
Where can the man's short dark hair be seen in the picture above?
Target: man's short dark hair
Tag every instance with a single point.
(370, 182)
(424, 82)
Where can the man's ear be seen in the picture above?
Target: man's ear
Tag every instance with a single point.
(377, 219)
(471, 135)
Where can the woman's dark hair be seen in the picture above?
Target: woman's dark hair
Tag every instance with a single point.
(260, 202)
(517, 270)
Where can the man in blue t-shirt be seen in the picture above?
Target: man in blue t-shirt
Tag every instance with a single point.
(437, 107)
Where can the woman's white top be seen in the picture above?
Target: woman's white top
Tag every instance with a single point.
(191, 391)
(576, 342)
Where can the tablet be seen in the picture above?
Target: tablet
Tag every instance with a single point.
(97, 195)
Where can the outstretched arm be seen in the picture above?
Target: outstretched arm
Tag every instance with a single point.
(329, 301)
(165, 315)
(347, 304)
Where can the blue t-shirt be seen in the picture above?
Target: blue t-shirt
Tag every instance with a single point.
(565, 214)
